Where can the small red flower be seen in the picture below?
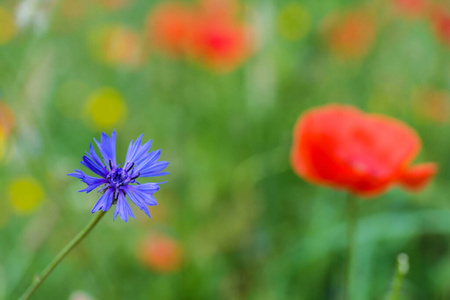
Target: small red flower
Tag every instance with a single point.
(440, 19)
(218, 39)
(410, 8)
(221, 45)
(169, 26)
(433, 105)
(342, 147)
(161, 253)
(219, 9)
(350, 35)
(7, 119)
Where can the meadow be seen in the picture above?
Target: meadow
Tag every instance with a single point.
(218, 86)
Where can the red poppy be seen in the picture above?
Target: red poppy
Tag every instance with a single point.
(410, 8)
(342, 147)
(440, 19)
(433, 105)
(161, 253)
(219, 9)
(169, 26)
(350, 35)
(218, 39)
(7, 119)
(219, 45)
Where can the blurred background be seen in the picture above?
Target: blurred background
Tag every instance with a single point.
(218, 86)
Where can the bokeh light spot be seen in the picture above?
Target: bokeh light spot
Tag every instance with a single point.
(25, 195)
(116, 45)
(161, 253)
(106, 107)
(7, 26)
(294, 22)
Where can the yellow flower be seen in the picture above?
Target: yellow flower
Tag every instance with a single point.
(294, 22)
(25, 195)
(7, 26)
(105, 108)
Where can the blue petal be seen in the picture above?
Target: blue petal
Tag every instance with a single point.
(104, 202)
(147, 160)
(133, 149)
(107, 148)
(88, 163)
(142, 152)
(79, 174)
(122, 208)
(144, 193)
(92, 182)
(155, 169)
(139, 202)
(94, 157)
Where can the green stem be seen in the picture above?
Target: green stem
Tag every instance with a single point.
(38, 280)
(400, 272)
(352, 219)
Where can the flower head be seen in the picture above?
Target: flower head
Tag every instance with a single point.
(219, 39)
(161, 253)
(220, 44)
(117, 182)
(342, 147)
(440, 20)
(410, 8)
(350, 35)
(168, 27)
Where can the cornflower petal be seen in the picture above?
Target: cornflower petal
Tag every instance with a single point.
(147, 160)
(139, 202)
(122, 208)
(94, 157)
(92, 182)
(88, 163)
(133, 149)
(104, 203)
(142, 152)
(107, 148)
(155, 170)
(144, 192)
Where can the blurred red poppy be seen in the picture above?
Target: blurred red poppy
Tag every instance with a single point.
(169, 26)
(220, 44)
(350, 35)
(219, 9)
(440, 19)
(209, 32)
(161, 253)
(433, 105)
(342, 147)
(218, 38)
(7, 119)
(410, 8)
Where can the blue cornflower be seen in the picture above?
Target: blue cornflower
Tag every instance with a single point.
(117, 182)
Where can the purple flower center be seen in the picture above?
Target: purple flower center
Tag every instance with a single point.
(121, 177)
